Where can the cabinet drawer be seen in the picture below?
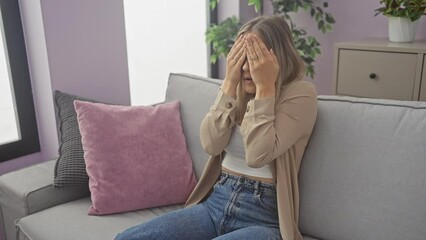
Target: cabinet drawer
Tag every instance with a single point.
(376, 74)
(423, 82)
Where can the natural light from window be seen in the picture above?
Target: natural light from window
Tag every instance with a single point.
(163, 37)
(8, 120)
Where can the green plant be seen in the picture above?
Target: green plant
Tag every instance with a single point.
(412, 9)
(222, 37)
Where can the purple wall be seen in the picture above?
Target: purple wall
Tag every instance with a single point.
(74, 46)
(354, 20)
(87, 48)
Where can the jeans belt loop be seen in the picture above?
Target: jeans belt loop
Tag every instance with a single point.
(256, 187)
(223, 179)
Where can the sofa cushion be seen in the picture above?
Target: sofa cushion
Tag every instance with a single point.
(363, 173)
(70, 221)
(136, 156)
(30, 190)
(193, 108)
(45, 225)
(70, 169)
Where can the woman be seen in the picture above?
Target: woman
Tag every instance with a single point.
(256, 133)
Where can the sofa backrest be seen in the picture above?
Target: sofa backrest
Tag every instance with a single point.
(196, 95)
(363, 175)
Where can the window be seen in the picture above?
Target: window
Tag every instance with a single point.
(18, 128)
(8, 121)
(164, 37)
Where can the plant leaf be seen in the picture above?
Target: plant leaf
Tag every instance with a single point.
(329, 18)
(257, 4)
(320, 24)
(317, 16)
(213, 4)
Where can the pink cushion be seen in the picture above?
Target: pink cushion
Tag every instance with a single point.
(136, 157)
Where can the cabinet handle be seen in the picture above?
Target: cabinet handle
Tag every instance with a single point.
(373, 76)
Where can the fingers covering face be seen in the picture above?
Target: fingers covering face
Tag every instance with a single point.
(251, 52)
(242, 57)
(236, 47)
(257, 50)
(256, 46)
(249, 46)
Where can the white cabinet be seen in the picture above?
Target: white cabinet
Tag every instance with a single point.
(378, 68)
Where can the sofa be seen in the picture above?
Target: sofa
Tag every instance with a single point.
(363, 175)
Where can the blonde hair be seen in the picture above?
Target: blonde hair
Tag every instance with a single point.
(276, 34)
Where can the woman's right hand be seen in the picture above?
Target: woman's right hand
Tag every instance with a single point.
(235, 60)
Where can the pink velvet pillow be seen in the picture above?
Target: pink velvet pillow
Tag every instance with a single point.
(136, 157)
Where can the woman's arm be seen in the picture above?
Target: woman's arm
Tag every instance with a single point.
(217, 125)
(268, 134)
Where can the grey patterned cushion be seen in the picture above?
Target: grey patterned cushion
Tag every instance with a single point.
(70, 169)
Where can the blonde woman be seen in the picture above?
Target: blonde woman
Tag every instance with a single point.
(256, 133)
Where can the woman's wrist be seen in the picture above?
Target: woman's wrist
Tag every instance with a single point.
(265, 91)
(229, 88)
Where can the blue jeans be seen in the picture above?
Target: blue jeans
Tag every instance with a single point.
(238, 208)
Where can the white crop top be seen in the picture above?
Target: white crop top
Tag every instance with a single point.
(235, 159)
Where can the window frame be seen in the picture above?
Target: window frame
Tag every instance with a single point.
(19, 72)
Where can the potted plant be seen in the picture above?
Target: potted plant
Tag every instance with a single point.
(403, 16)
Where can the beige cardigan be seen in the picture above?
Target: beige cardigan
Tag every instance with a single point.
(272, 131)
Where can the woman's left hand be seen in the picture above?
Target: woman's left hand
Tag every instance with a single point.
(264, 67)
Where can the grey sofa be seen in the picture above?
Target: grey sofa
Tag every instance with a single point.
(363, 175)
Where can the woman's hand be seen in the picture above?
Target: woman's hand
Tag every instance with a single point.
(235, 60)
(264, 67)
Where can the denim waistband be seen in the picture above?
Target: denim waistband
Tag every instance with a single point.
(246, 181)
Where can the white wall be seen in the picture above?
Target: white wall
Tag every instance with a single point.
(163, 37)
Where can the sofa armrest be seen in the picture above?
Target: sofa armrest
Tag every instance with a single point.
(30, 190)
